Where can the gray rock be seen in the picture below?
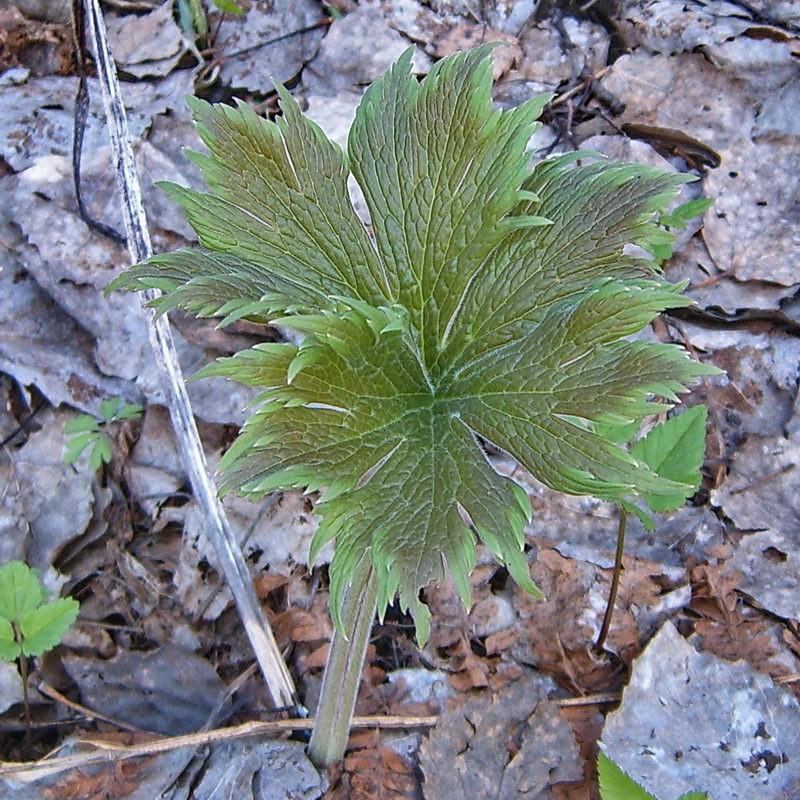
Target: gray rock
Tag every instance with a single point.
(691, 721)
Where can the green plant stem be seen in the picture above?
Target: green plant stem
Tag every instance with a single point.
(23, 672)
(343, 671)
(612, 596)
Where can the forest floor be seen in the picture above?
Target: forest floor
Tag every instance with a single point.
(698, 685)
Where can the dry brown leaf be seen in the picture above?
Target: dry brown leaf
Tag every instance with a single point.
(684, 93)
(508, 745)
(469, 35)
(44, 48)
(266, 583)
(300, 626)
(502, 640)
(115, 780)
(380, 773)
(728, 628)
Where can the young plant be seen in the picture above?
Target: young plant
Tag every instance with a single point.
(492, 301)
(192, 14)
(28, 625)
(674, 450)
(616, 785)
(87, 431)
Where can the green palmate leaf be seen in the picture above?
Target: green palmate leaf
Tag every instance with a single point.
(360, 401)
(619, 433)
(675, 450)
(493, 304)
(279, 221)
(43, 628)
(441, 172)
(20, 591)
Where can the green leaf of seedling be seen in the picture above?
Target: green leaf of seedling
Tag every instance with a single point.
(648, 523)
(101, 452)
(228, 6)
(81, 424)
(10, 649)
(675, 450)
(616, 785)
(192, 18)
(661, 252)
(20, 590)
(694, 796)
(44, 627)
(679, 216)
(77, 444)
(621, 433)
(109, 408)
(129, 411)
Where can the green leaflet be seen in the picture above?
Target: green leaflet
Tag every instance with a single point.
(44, 627)
(441, 172)
(675, 450)
(494, 301)
(277, 222)
(20, 591)
(616, 785)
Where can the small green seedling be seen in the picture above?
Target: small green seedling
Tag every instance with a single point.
(616, 785)
(676, 220)
(88, 431)
(28, 625)
(674, 451)
(492, 300)
(192, 14)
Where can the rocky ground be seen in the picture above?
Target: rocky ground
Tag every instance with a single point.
(698, 687)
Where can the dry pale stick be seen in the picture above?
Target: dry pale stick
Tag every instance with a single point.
(277, 677)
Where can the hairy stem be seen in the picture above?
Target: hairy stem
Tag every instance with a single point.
(612, 596)
(343, 671)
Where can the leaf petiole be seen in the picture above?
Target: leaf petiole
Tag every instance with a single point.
(612, 595)
(343, 670)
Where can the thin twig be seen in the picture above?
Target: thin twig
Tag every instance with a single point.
(109, 751)
(583, 83)
(612, 596)
(323, 23)
(221, 58)
(87, 713)
(79, 118)
(602, 698)
(276, 675)
(23, 426)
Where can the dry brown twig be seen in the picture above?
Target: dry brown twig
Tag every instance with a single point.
(108, 751)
